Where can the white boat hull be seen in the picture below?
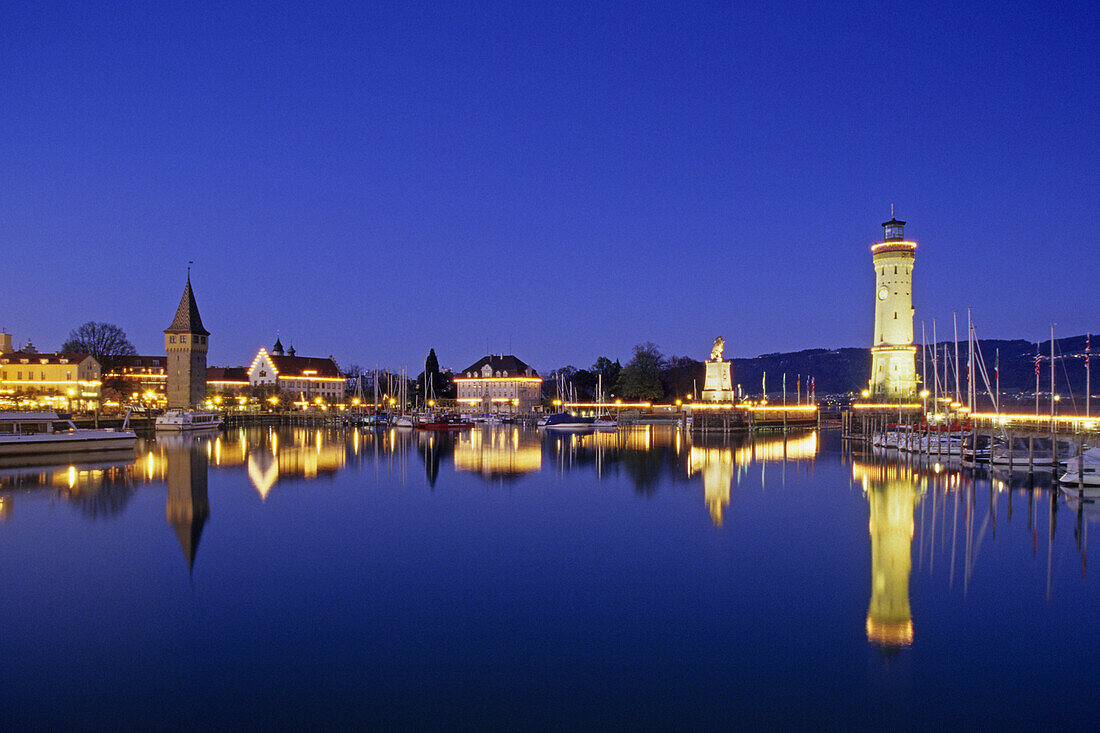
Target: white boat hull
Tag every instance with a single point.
(84, 441)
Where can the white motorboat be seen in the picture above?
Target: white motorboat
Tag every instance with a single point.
(189, 420)
(1083, 470)
(38, 433)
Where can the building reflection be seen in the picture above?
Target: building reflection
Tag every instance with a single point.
(716, 465)
(187, 507)
(502, 452)
(892, 494)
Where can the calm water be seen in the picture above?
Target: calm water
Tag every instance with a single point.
(504, 578)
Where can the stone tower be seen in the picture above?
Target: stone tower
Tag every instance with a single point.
(185, 345)
(893, 355)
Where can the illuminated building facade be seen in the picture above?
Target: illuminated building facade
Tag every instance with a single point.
(58, 381)
(138, 375)
(893, 355)
(306, 377)
(226, 380)
(185, 343)
(498, 383)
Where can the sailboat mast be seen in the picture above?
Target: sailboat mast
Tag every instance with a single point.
(1088, 373)
(935, 370)
(955, 319)
(1052, 377)
(969, 362)
(924, 367)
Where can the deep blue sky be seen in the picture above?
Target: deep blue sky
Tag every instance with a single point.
(371, 179)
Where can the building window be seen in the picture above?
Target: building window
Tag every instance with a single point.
(183, 339)
(171, 339)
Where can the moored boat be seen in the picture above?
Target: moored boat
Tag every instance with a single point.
(189, 420)
(38, 433)
(565, 421)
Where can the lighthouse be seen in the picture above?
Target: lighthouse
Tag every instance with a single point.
(893, 355)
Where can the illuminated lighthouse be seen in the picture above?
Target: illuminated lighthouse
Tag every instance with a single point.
(893, 355)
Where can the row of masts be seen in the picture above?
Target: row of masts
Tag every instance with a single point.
(976, 367)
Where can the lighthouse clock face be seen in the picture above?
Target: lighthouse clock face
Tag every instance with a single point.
(882, 293)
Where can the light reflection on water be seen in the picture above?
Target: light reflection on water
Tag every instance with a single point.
(928, 538)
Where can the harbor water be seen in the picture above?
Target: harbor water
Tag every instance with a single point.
(504, 577)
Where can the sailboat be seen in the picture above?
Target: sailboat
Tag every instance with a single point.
(603, 420)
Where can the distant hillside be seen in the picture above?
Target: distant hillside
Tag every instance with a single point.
(847, 370)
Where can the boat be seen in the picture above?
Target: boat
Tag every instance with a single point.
(979, 453)
(605, 422)
(441, 422)
(39, 433)
(1083, 470)
(565, 421)
(1040, 453)
(189, 420)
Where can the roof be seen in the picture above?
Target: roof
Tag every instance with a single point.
(187, 318)
(134, 361)
(226, 374)
(295, 366)
(501, 363)
(37, 357)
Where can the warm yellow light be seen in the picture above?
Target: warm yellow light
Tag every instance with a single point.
(866, 393)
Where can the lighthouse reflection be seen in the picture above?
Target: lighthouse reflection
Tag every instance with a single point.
(188, 506)
(892, 494)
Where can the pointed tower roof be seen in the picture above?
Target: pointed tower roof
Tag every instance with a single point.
(188, 533)
(187, 318)
(278, 347)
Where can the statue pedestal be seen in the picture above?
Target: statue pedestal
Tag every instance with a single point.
(718, 385)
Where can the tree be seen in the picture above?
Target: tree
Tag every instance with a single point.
(103, 341)
(640, 379)
(609, 370)
(431, 374)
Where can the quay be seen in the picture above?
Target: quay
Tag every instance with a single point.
(1013, 442)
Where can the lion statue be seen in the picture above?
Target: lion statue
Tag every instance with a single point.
(716, 350)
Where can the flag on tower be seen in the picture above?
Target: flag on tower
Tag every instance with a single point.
(997, 365)
(1088, 340)
(1038, 359)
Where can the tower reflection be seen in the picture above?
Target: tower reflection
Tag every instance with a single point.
(892, 495)
(188, 507)
(716, 465)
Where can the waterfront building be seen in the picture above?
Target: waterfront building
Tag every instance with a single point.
(226, 380)
(893, 355)
(305, 378)
(498, 383)
(56, 380)
(138, 375)
(185, 343)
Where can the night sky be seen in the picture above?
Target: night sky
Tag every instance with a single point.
(560, 180)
